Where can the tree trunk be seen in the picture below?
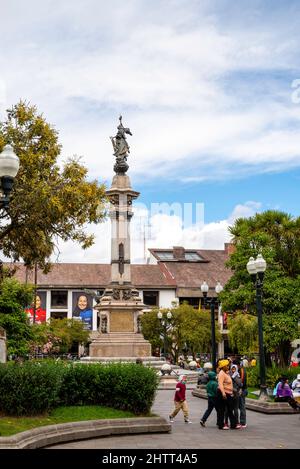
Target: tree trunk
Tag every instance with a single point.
(268, 359)
(284, 349)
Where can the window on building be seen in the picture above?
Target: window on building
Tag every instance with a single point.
(151, 298)
(191, 301)
(59, 299)
(227, 348)
(165, 255)
(192, 256)
(58, 314)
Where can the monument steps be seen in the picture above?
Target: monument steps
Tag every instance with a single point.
(154, 362)
(119, 337)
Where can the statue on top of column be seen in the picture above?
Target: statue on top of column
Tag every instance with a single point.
(121, 148)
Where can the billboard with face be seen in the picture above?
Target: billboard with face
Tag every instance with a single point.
(82, 309)
(37, 314)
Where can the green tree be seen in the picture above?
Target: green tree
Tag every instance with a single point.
(50, 200)
(58, 336)
(14, 297)
(194, 328)
(243, 333)
(151, 328)
(189, 327)
(277, 236)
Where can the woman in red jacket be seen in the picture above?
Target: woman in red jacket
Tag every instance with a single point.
(40, 313)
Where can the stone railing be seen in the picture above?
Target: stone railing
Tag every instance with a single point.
(266, 407)
(40, 437)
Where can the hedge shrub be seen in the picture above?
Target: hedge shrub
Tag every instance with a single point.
(119, 385)
(33, 388)
(29, 388)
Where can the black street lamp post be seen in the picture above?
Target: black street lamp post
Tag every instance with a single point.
(256, 268)
(9, 166)
(166, 325)
(213, 303)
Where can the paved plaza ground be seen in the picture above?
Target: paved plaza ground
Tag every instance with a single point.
(263, 431)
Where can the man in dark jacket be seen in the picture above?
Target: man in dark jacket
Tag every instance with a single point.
(211, 389)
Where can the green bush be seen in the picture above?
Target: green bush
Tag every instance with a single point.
(34, 388)
(29, 388)
(122, 386)
(252, 376)
(272, 375)
(77, 387)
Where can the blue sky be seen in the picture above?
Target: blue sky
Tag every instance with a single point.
(208, 88)
(278, 191)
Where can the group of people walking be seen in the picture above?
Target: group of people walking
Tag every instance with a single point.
(226, 393)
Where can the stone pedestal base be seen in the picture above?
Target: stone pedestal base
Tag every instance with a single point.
(119, 309)
(120, 344)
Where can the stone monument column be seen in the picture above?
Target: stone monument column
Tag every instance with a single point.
(121, 196)
(120, 305)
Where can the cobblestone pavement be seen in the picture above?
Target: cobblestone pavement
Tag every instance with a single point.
(263, 431)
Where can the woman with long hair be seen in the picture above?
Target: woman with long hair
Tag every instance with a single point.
(84, 311)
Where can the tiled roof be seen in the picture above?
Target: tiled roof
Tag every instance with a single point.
(193, 274)
(146, 275)
(68, 275)
(190, 275)
(161, 275)
(94, 276)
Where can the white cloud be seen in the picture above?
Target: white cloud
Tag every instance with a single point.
(246, 210)
(160, 230)
(189, 83)
(98, 253)
(168, 231)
